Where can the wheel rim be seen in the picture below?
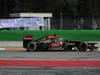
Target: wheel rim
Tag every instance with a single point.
(83, 47)
(32, 46)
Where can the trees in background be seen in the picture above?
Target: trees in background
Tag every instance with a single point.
(79, 9)
(83, 8)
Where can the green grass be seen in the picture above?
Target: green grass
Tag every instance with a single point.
(17, 35)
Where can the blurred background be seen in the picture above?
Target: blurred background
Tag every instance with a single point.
(49, 14)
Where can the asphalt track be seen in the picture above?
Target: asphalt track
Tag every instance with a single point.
(51, 55)
(20, 62)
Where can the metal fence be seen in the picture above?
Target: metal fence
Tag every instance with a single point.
(63, 23)
(75, 23)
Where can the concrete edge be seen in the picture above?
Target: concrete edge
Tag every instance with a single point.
(12, 49)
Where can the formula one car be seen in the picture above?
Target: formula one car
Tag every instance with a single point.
(53, 42)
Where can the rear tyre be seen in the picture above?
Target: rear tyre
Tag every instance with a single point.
(31, 47)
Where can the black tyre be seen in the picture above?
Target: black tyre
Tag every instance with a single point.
(83, 46)
(31, 47)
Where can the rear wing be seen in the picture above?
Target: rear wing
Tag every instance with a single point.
(26, 40)
(28, 37)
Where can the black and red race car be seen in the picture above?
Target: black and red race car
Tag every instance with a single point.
(54, 42)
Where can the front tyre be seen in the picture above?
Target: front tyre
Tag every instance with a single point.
(31, 46)
(83, 46)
